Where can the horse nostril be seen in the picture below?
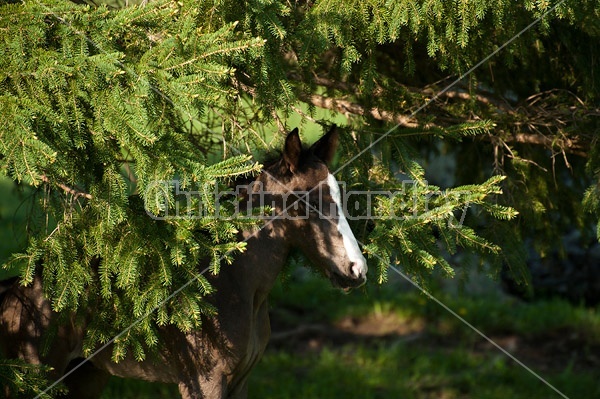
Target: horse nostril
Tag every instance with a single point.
(356, 269)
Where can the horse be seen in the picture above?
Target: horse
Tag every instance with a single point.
(214, 361)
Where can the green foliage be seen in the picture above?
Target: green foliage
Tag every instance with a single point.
(95, 105)
(26, 380)
(101, 107)
(419, 225)
(14, 210)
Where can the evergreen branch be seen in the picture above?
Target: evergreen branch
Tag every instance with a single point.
(153, 82)
(221, 50)
(348, 107)
(482, 98)
(76, 193)
(576, 145)
(28, 380)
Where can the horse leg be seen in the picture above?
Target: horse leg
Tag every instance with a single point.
(214, 387)
(189, 390)
(85, 382)
(241, 392)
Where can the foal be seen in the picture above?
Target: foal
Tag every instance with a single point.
(215, 361)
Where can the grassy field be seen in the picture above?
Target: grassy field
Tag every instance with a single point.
(392, 342)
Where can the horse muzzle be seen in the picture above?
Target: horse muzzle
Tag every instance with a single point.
(355, 276)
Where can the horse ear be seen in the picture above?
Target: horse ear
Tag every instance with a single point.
(292, 150)
(325, 147)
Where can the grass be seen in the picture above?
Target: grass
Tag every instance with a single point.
(441, 358)
(406, 371)
(493, 312)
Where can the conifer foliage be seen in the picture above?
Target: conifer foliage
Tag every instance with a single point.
(99, 102)
(96, 109)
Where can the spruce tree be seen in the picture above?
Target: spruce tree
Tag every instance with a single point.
(99, 102)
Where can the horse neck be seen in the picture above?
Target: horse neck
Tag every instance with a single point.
(266, 253)
(267, 247)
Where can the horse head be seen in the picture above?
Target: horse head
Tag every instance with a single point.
(311, 214)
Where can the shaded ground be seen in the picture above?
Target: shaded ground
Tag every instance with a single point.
(390, 342)
(550, 351)
(395, 342)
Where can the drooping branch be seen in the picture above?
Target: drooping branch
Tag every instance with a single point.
(531, 115)
(348, 107)
(573, 145)
(482, 98)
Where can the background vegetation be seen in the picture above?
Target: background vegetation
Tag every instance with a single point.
(101, 100)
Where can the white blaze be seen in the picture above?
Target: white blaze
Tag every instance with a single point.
(354, 253)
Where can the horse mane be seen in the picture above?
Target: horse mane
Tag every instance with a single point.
(269, 163)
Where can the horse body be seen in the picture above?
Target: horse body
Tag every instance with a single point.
(215, 361)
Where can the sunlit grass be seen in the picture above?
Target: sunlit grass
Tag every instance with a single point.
(492, 313)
